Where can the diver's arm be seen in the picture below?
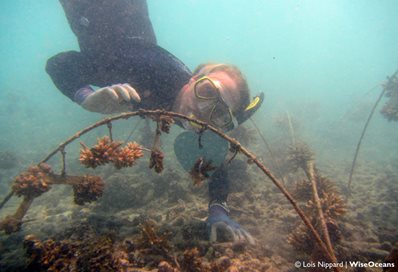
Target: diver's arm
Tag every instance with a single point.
(72, 73)
(69, 71)
(110, 99)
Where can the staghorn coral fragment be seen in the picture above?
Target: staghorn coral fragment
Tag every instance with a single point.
(33, 182)
(49, 255)
(390, 109)
(193, 262)
(302, 191)
(152, 242)
(301, 240)
(299, 155)
(107, 151)
(100, 154)
(199, 171)
(156, 161)
(126, 156)
(332, 205)
(165, 123)
(87, 255)
(151, 237)
(90, 189)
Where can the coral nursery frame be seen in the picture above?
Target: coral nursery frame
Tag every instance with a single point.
(89, 188)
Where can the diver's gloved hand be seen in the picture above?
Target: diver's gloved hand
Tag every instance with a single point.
(219, 220)
(110, 99)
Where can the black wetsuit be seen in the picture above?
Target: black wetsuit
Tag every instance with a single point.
(118, 45)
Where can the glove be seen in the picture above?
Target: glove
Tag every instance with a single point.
(218, 219)
(110, 99)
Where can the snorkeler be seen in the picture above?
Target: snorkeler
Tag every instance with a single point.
(119, 54)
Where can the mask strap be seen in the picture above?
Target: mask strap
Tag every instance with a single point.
(215, 66)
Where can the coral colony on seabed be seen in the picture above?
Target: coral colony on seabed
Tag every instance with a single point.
(318, 221)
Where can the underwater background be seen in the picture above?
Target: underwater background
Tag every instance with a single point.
(319, 56)
(320, 65)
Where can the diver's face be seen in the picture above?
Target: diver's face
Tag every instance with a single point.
(210, 96)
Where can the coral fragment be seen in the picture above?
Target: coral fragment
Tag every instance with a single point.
(107, 151)
(200, 169)
(33, 182)
(165, 123)
(299, 155)
(156, 161)
(100, 154)
(390, 109)
(90, 189)
(126, 156)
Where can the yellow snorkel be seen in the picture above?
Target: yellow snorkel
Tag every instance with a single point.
(253, 106)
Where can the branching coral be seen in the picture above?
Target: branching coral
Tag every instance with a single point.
(90, 255)
(32, 182)
(156, 161)
(151, 240)
(90, 189)
(89, 252)
(100, 154)
(29, 184)
(303, 192)
(165, 123)
(106, 151)
(333, 205)
(86, 188)
(193, 262)
(126, 156)
(98, 255)
(49, 255)
(320, 203)
(390, 109)
(199, 171)
(301, 240)
(299, 155)
(333, 208)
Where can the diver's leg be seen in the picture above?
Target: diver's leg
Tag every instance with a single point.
(218, 218)
(96, 23)
(143, 25)
(219, 186)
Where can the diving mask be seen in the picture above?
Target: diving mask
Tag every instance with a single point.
(211, 102)
(214, 106)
